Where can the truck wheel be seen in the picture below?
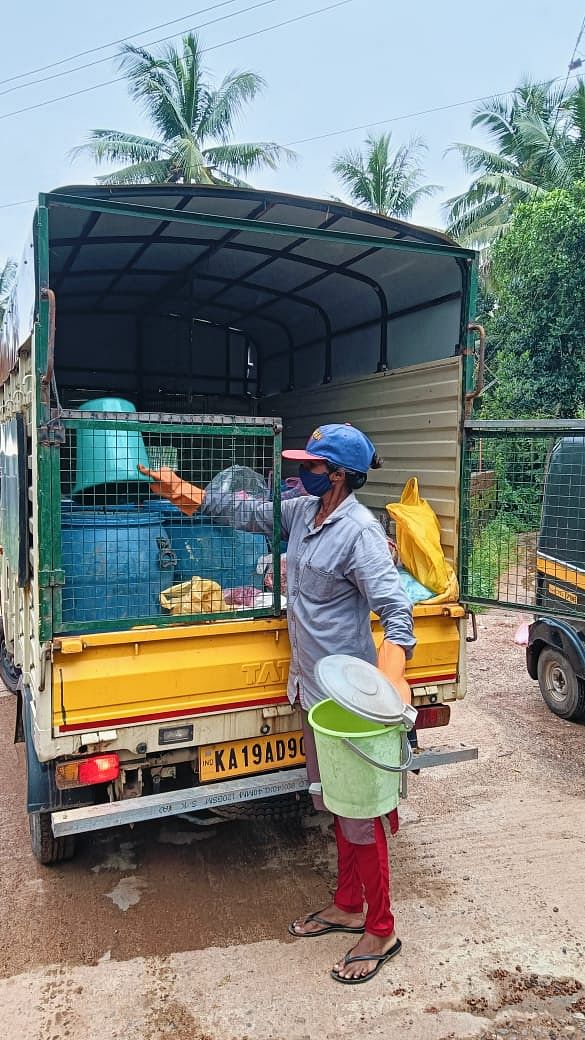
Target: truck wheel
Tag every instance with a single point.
(46, 847)
(9, 673)
(281, 808)
(562, 689)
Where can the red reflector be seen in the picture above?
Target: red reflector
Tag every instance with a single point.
(99, 769)
(433, 716)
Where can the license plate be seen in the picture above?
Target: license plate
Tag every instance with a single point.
(255, 755)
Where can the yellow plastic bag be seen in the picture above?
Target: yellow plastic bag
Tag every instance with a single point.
(451, 593)
(419, 542)
(197, 596)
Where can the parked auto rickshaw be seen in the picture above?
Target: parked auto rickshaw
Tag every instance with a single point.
(556, 649)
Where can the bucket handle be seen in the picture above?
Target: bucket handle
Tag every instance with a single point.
(405, 764)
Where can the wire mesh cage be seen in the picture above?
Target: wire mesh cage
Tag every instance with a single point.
(523, 521)
(167, 519)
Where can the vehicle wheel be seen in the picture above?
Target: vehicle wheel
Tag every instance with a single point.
(9, 673)
(280, 808)
(46, 847)
(562, 689)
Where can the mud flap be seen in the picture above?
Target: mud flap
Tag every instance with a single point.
(42, 793)
(19, 720)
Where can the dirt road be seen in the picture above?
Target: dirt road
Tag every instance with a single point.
(172, 931)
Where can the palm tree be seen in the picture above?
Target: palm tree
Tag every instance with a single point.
(7, 276)
(385, 183)
(193, 121)
(539, 139)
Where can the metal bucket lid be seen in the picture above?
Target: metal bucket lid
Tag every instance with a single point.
(361, 688)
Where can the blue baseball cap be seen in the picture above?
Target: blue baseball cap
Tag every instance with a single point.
(340, 444)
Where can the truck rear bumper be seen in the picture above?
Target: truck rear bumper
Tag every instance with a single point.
(231, 792)
(192, 799)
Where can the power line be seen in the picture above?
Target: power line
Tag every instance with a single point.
(365, 126)
(412, 115)
(151, 43)
(216, 46)
(9, 205)
(113, 43)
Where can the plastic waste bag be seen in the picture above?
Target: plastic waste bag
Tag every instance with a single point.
(226, 492)
(196, 596)
(242, 596)
(266, 568)
(237, 480)
(419, 540)
(522, 634)
(413, 588)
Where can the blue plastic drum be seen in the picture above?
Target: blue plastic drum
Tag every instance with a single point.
(206, 549)
(116, 562)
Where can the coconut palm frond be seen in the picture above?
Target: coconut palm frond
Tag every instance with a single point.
(385, 182)
(193, 121)
(152, 82)
(245, 158)
(222, 106)
(154, 172)
(116, 145)
(7, 279)
(539, 138)
(478, 160)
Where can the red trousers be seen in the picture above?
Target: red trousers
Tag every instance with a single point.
(362, 857)
(363, 872)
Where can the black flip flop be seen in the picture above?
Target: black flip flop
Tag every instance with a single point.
(367, 957)
(329, 926)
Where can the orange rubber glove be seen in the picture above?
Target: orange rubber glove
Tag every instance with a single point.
(392, 662)
(187, 497)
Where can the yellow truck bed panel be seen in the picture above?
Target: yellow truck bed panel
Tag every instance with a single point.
(109, 679)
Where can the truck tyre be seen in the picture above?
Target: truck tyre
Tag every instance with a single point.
(9, 673)
(562, 690)
(282, 808)
(46, 847)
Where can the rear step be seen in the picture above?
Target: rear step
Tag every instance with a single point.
(427, 758)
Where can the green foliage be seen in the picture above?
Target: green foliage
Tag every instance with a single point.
(387, 184)
(537, 330)
(538, 144)
(493, 551)
(193, 120)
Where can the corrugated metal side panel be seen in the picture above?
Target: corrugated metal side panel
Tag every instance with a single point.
(412, 415)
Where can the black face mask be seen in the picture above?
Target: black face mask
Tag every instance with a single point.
(317, 484)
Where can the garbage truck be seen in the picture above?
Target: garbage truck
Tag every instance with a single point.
(201, 329)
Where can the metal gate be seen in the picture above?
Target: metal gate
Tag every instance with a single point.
(522, 524)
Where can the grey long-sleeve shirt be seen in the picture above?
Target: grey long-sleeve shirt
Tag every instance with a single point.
(336, 575)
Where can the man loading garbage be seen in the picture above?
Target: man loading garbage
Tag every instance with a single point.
(339, 569)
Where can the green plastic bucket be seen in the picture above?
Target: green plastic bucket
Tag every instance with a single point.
(352, 786)
(108, 456)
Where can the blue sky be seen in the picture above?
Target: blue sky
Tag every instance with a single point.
(361, 63)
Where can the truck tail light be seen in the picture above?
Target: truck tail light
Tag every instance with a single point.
(99, 769)
(435, 715)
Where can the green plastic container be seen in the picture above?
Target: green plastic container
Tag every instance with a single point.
(361, 756)
(108, 456)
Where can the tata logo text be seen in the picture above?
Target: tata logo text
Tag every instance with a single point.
(265, 673)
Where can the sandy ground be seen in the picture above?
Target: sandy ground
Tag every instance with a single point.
(169, 931)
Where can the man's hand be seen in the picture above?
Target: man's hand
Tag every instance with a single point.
(392, 662)
(187, 497)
